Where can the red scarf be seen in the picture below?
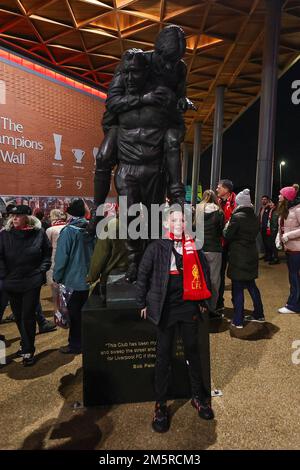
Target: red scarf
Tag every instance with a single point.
(26, 227)
(58, 222)
(194, 284)
(228, 206)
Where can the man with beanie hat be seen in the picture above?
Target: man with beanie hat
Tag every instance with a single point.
(72, 259)
(289, 223)
(241, 232)
(227, 202)
(76, 208)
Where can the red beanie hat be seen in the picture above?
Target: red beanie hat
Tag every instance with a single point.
(288, 193)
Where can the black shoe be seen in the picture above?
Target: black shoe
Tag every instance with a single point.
(28, 359)
(131, 273)
(204, 410)
(47, 326)
(20, 353)
(2, 338)
(255, 319)
(220, 308)
(274, 261)
(216, 315)
(160, 422)
(69, 350)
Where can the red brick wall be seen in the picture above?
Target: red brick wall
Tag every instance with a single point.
(32, 109)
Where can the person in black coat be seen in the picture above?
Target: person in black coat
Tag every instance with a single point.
(241, 233)
(214, 221)
(272, 230)
(25, 256)
(162, 295)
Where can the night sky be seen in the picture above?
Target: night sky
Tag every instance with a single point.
(240, 142)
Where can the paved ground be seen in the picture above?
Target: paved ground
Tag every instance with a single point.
(260, 407)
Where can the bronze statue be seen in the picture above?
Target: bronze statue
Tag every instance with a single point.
(144, 128)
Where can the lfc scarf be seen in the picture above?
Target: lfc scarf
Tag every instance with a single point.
(58, 222)
(194, 284)
(228, 207)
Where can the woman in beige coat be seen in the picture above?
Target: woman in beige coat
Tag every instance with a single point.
(58, 221)
(289, 231)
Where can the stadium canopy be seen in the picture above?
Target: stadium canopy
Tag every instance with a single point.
(86, 38)
(236, 49)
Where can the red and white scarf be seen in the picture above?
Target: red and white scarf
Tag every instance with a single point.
(194, 284)
(58, 222)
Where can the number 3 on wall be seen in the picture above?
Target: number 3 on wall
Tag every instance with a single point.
(58, 184)
(79, 184)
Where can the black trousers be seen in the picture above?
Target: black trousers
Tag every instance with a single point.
(23, 305)
(190, 338)
(271, 251)
(75, 304)
(267, 246)
(3, 303)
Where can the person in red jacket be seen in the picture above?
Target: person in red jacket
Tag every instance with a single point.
(227, 202)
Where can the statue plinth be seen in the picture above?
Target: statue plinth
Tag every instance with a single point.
(119, 351)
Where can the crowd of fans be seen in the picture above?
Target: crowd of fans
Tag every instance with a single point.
(62, 251)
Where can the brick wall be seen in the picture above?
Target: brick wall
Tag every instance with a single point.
(48, 135)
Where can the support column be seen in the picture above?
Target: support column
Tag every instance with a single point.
(267, 117)
(185, 162)
(216, 161)
(196, 162)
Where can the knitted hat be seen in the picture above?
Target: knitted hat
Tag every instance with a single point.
(76, 208)
(243, 198)
(227, 184)
(21, 209)
(289, 193)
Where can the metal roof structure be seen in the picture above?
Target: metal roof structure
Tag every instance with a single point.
(86, 38)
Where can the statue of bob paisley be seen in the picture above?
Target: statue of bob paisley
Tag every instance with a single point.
(144, 127)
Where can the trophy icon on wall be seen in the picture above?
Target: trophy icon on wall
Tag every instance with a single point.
(57, 142)
(95, 152)
(78, 154)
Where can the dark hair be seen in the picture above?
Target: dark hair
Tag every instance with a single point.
(210, 196)
(38, 213)
(227, 184)
(268, 197)
(9, 207)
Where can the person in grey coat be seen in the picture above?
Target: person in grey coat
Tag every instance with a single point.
(241, 233)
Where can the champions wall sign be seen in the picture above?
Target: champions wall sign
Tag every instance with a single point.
(50, 131)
